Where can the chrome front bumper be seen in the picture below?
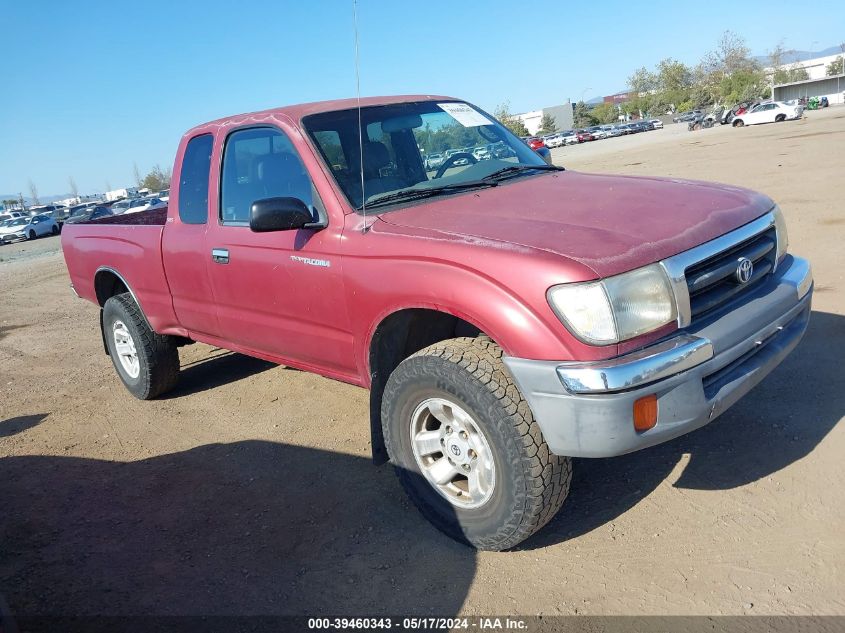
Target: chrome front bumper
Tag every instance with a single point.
(586, 409)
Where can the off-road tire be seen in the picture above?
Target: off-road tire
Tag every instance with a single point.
(531, 483)
(158, 355)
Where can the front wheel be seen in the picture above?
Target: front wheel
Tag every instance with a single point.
(738, 123)
(31, 235)
(780, 118)
(147, 362)
(466, 447)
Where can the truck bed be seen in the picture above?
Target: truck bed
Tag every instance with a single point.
(127, 247)
(144, 218)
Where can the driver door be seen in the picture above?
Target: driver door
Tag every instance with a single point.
(278, 293)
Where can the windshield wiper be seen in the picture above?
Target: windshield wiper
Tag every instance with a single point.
(428, 192)
(504, 172)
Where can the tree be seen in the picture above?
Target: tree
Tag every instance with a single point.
(157, 180)
(547, 124)
(33, 193)
(836, 67)
(731, 54)
(605, 113)
(713, 82)
(74, 190)
(515, 125)
(776, 56)
(798, 73)
(743, 85)
(643, 85)
(674, 82)
(582, 115)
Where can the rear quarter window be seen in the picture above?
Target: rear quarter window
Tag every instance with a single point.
(193, 180)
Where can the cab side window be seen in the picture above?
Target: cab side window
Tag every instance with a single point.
(193, 180)
(260, 163)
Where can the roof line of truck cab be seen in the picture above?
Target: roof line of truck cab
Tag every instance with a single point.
(298, 111)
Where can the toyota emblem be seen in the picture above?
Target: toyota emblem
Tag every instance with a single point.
(744, 270)
(455, 450)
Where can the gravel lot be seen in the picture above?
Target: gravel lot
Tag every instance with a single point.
(249, 491)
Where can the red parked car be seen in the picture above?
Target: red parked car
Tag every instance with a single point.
(584, 136)
(505, 315)
(534, 143)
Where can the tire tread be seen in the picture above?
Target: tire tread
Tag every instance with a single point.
(546, 476)
(161, 354)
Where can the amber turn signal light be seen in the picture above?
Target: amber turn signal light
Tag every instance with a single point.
(645, 413)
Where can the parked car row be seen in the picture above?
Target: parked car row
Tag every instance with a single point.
(41, 220)
(747, 113)
(598, 132)
(435, 160)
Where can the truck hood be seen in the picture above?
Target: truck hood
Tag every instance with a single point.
(611, 224)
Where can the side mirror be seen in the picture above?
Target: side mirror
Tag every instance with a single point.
(545, 154)
(279, 214)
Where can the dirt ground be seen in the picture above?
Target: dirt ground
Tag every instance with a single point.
(249, 491)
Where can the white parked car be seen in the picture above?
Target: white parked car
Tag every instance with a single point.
(570, 138)
(145, 204)
(772, 112)
(658, 124)
(481, 153)
(11, 215)
(598, 132)
(553, 140)
(27, 228)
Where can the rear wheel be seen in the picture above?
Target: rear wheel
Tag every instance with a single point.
(466, 447)
(55, 229)
(147, 363)
(738, 123)
(780, 117)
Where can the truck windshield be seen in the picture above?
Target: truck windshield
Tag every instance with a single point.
(427, 148)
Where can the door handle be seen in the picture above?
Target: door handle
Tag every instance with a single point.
(220, 255)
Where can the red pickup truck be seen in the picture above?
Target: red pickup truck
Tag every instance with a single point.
(506, 315)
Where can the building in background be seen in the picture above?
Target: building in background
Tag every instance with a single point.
(818, 83)
(616, 99)
(831, 87)
(562, 115)
(816, 67)
(117, 194)
(81, 199)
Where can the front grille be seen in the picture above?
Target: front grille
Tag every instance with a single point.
(712, 282)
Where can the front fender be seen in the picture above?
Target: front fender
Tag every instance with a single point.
(521, 329)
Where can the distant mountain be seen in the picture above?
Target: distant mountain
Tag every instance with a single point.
(799, 56)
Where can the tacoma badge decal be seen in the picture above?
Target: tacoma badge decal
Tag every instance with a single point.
(324, 263)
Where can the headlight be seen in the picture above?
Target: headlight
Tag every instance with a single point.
(782, 234)
(617, 308)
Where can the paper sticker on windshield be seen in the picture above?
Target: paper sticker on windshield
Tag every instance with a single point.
(464, 114)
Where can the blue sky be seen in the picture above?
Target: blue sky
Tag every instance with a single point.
(91, 87)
